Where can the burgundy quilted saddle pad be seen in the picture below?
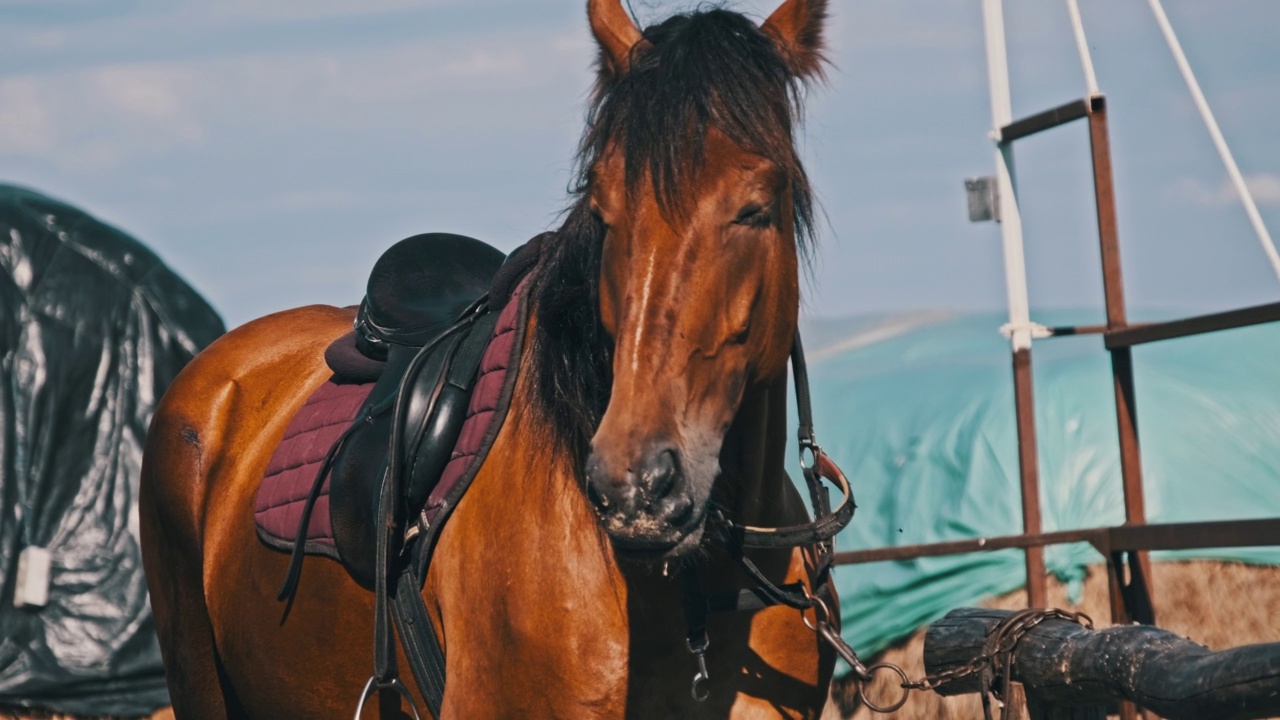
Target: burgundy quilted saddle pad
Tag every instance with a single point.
(333, 407)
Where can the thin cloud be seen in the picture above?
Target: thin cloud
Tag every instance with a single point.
(93, 120)
(1264, 187)
(25, 123)
(99, 118)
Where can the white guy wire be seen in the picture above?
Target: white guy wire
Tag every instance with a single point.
(1091, 80)
(1233, 171)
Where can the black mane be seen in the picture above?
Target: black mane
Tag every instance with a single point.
(711, 68)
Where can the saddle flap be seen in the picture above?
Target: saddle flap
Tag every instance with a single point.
(431, 388)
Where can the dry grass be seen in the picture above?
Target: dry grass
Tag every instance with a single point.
(1219, 605)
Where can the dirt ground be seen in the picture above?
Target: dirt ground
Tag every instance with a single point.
(165, 714)
(1219, 605)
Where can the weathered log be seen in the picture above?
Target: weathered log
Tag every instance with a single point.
(1061, 663)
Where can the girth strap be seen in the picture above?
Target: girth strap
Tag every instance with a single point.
(384, 656)
(418, 636)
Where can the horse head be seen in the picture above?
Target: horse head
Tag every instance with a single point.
(691, 172)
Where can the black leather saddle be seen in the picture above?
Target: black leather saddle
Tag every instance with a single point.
(426, 314)
(419, 287)
(430, 311)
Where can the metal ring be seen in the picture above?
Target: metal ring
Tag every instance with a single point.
(368, 690)
(906, 691)
(814, 450)
(818, 605)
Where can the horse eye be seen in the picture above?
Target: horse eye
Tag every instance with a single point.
(754, 216)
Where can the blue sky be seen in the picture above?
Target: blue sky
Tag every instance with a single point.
(269, 151)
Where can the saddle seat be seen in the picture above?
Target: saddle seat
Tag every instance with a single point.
(419, 287)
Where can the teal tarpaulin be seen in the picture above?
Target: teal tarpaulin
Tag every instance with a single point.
(918, 411)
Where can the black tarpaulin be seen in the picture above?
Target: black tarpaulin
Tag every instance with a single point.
(93, 327)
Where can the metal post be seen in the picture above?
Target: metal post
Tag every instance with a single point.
(1121, 357)
(1019, 307)
(1129, 586)
(1082, 45)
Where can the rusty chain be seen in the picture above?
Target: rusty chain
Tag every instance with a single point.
(994, 658)
(1006, 636)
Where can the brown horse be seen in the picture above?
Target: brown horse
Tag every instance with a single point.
(652, 397)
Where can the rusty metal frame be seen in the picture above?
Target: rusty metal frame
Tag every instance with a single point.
(1125, 547)
(1262, 532)
(1231, 319)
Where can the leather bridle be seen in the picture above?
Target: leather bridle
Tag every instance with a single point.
(816, 466)
(817, 535)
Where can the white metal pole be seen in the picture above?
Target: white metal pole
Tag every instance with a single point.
(1082, 44)
(1015, 264)
(1233, 171)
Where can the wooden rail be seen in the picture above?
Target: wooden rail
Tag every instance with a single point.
(1070, 671)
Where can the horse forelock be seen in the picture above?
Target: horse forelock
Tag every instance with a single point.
(693, 72)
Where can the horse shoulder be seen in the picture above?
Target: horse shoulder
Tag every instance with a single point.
(527, 590)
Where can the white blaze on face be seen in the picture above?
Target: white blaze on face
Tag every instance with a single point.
(644, 303)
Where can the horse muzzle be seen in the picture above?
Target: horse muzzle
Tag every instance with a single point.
(647, 505)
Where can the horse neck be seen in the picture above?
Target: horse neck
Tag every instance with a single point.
(753, 458)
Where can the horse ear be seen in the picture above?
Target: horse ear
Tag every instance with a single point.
(615, 32)
(797, 28)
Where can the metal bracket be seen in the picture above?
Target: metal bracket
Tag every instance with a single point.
(984, 198)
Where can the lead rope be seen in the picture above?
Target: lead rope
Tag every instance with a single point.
(695, 618)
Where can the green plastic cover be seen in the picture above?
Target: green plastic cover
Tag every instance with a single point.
(918, 411)
(93, 327)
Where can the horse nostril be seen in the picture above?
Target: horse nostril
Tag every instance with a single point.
(661, 474)
(679, 511)
(608, 491)
(595, 497)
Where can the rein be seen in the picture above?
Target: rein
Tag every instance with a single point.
(816, 466)
(817, 534)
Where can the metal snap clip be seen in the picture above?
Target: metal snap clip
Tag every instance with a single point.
(701, 679)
